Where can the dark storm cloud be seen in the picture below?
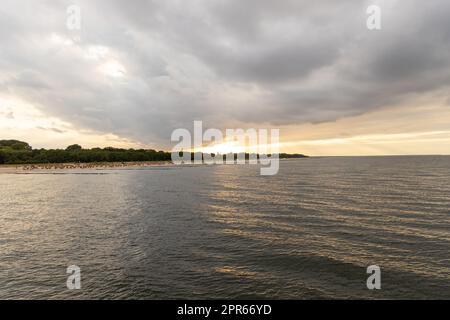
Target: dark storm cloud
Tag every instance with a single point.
(224, 62)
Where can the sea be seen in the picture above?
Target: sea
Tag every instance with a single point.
(226, 232)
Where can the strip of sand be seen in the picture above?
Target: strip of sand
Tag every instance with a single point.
(20, 168)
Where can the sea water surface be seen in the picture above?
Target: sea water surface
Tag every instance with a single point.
(226, 232)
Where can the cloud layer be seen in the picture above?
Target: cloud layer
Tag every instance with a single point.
(141, 70)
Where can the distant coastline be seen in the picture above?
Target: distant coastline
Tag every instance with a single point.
(13, 168)
(18, 168)
(19, 155)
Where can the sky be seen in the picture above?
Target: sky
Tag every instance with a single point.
(136, 71)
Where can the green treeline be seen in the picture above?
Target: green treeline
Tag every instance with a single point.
(19, 152)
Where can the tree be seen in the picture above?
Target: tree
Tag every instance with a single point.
(74, 147)
(15, 144)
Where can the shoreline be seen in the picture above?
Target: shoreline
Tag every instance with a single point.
(30, 167)
(11, 168)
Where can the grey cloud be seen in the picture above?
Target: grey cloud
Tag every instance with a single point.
(52, 129)
(223, 62)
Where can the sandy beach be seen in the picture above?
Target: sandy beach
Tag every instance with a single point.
(21, 168)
